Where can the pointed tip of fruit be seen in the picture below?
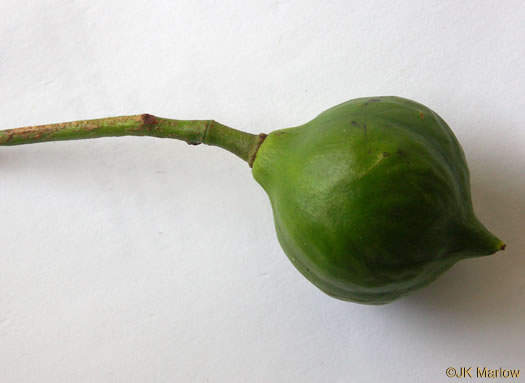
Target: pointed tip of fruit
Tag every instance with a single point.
(478, 241)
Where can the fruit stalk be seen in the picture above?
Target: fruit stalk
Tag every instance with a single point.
(194, 132)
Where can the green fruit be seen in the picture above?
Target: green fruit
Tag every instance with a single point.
(371, 199)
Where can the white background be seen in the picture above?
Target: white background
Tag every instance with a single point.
(146, 260)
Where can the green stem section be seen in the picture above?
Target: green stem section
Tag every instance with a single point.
(194, 132)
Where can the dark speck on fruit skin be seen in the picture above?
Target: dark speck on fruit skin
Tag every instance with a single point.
(357, 125)
(371, 101)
